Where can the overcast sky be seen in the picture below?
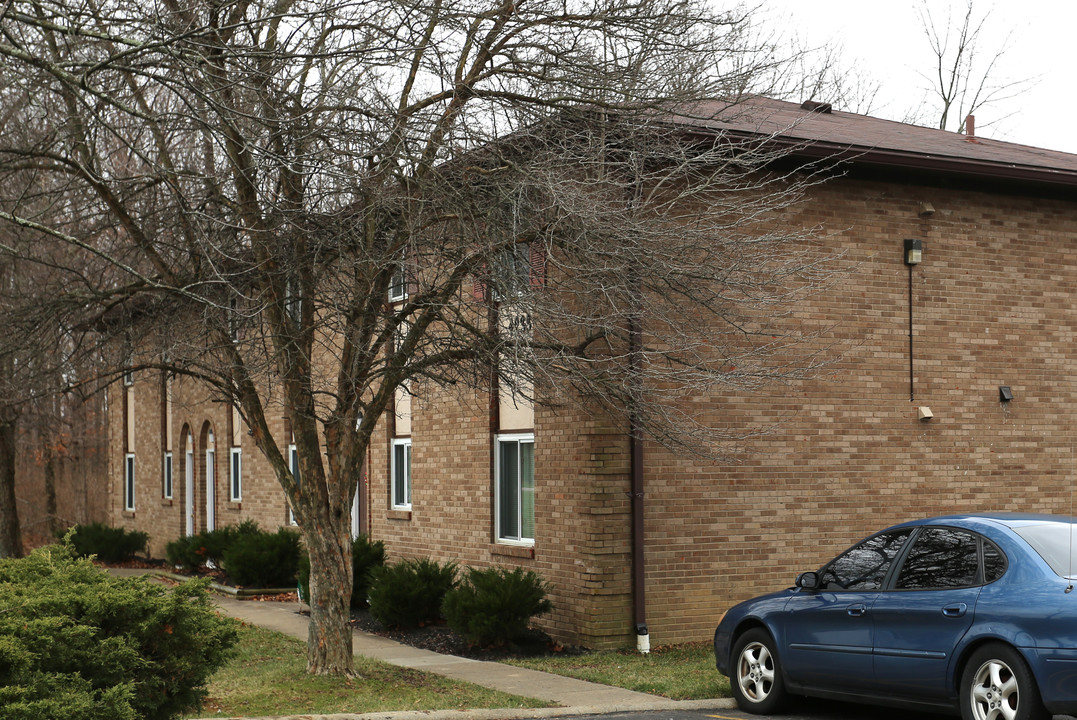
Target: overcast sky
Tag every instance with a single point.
(885, 39)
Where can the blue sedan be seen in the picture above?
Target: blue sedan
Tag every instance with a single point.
(974, 613)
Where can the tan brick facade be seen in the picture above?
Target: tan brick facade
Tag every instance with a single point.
(992, 304)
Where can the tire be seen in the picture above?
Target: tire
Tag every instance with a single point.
(756, 674)
(996, 684)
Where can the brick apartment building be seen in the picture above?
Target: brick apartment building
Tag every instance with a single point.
(980, 331)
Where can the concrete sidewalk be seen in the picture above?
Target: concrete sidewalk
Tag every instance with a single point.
(573, 697)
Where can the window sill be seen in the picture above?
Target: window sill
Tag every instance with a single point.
(398, 515)
(526, 552)
(166, 502)
(128, 513)
(235, 505)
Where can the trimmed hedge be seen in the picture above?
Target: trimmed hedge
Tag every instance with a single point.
(410, 593)
(77, 643)
(495, 606)
(208, 546)
(263, 560)
(108, 544)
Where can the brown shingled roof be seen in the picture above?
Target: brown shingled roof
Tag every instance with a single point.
(867, 140)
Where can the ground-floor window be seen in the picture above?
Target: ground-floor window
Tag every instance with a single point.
(235, 475)
(166, 477)
(515, 488)
(401, 472)
(129, 482)
(293, 463)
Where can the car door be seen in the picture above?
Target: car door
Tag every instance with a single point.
(929, 608)
(829, 632)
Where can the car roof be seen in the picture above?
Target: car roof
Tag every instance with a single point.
(1010, 520)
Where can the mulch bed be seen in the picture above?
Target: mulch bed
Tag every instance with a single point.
(437, 637)
(440, 638)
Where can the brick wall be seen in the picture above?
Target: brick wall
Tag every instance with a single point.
(992, 305)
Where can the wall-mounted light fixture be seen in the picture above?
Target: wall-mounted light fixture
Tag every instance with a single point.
(914, 251)
(1004, 393)
(925, 413)
(926, 209)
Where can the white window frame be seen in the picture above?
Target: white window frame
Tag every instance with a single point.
(235, 475)
(401, 498)
(167, 477)
(519, 538)
(293, 464)
(128, 377)
(129, 482)
(398, 282)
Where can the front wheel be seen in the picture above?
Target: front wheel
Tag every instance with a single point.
(756, 679)
(997, 685)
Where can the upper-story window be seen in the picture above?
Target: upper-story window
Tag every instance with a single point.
(398, 283)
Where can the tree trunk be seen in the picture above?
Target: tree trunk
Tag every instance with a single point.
(329, 643)
(50, 488)
(10, 536)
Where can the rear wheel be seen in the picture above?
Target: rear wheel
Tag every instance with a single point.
(997, 685)
(756, 679)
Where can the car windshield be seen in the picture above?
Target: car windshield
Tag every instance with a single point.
(1056, 542)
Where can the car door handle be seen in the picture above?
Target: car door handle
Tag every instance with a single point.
(856, 610)
(955, 611)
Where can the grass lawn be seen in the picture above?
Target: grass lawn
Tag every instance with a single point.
(268, 676)
(680, 672)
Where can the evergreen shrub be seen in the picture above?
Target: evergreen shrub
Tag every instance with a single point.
(109, 544)
(208, 546)
(77, 643)
(494, 606)
(263, 560)
(366, 555)
(409, 593)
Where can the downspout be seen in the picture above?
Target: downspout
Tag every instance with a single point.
(639, 575)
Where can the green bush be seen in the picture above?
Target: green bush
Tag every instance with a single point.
(191, 553)
(109, 544)
(263, 560)
(78, 643)
(366, 555)
(409, 594)
(494, 606)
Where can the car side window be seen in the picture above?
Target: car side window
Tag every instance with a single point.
(994, 562)
(941, 558)
(864, 567)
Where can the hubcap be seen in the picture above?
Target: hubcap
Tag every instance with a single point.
(994, 692)
(755, 672)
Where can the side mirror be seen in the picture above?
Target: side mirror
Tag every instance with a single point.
(808, 581)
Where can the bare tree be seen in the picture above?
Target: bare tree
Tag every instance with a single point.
(235, 191)
(965, 76)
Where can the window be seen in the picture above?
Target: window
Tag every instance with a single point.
(398, 282)
(401, 472)
(293, 301)
(515, 488)
(128, 377)
(129, 482)
(166, 480)
(511, 274)
(994, 562)
(864, 567)
(293, 463)
(235, 475)
(941, 558)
